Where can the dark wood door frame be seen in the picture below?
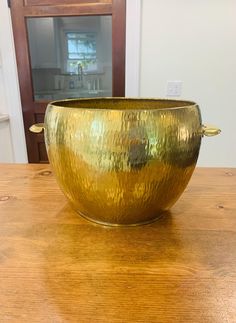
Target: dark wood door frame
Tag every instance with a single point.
(33, 111)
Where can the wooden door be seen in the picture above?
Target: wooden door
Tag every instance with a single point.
(25, 13)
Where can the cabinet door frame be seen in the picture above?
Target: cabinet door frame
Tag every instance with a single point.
(33, 111)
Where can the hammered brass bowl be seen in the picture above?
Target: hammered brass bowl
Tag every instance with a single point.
(123, 161)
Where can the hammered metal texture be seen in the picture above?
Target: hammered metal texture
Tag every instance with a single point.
(122, 161)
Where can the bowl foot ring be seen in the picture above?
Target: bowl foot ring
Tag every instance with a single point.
(108, 224)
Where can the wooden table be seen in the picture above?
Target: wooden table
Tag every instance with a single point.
(58, 267)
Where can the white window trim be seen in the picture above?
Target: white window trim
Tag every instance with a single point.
(133, 42)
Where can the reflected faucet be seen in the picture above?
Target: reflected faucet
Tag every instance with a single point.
(80, 74)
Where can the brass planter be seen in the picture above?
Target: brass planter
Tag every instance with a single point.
(123, 161)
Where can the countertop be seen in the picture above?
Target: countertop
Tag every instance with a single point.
(57, 267)
(4, 117)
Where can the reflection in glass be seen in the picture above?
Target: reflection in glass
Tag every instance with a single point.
(70, 56)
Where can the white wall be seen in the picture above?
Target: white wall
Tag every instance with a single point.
(43, 49)
(132, 53)
(12, 143)
(195, 42)
(6, 150)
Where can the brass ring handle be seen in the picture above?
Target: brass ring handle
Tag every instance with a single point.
(37, 127)
(210, 131)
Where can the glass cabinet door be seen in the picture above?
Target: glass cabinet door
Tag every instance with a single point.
(70, 57)
(66, 49)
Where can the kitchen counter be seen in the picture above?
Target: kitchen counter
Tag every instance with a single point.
(4, 117)
(70, 93)
(6, 151)
(57, 267)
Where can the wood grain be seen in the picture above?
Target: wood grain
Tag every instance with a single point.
(58, 267)
(68, 9)
(61, 2)
(118, 46)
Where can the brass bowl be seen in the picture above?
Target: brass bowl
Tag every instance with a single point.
(123, 161)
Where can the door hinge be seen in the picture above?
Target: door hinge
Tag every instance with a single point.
(9, 3)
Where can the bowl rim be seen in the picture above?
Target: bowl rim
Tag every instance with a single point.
(186, 103)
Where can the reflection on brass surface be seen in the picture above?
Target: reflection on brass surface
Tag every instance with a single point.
(123, 161)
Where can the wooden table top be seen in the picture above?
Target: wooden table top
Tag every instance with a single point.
(57, 267)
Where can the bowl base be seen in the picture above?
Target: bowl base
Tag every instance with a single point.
(120, 224)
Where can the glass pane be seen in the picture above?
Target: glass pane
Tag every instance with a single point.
(71, 57)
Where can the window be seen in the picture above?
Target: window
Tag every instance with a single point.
(81, 52)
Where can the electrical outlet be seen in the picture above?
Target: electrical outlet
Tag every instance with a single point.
(174, 88)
